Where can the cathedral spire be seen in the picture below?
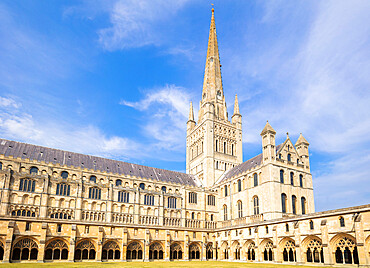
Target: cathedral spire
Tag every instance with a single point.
(212, 74)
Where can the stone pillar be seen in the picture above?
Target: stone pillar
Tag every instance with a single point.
(79, 201)
(203, 249)
(277, 256)
(5, 177)
(40, 256)
(137, 207)
(360, 239)
(100, 244)
(124, 244)
(186, 246)
(44, 199)
(8, 241)
(325, 243)
(298, 249)
(72, 246)
(167, 246)
(214, 250)
(146, 245)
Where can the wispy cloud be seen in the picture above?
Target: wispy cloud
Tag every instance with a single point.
(136, 23)
(166, 111)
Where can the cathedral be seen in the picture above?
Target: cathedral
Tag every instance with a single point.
(62, 206)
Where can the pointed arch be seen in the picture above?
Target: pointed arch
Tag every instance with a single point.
(25, 249)
(156, 251)
(194, 251)
(111, 250)
(134, 250)
(85, 250)
(176, 251)
(56, 249)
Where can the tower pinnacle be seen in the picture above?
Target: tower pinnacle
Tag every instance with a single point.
(236, 105)
(191, 112)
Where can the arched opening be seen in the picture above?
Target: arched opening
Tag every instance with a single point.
(1, 251)
(56, 249)
(111, 251)
(85, 250)
(346, 251)
(209, 251)
(251, 255)
(24, 250)
(134, 251)
(155, 251)
(194, 252)
(289, 254)
(268, 252)
(314, 251)
(175, 252)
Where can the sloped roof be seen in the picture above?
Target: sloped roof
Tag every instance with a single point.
(301, 139)
(245, 166)
(70, 159)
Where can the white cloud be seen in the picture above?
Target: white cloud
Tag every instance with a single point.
(7, 102)
(136, 23)
(166, 111)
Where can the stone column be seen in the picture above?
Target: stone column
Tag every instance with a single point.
(5, 177)
(167, 246)
(214, 250)
(146, 245)
(40, 256)
(100, 243)
(124, 244)
(44, 198)
(360, 240)
(72, 245)
(186, 246)
(203, 245)
(8, 241)
(325, 242)
(298, 249)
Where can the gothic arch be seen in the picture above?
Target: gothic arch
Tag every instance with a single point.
(194, 251)
(224, 250)
(312, 249)
(344, 249)
(235, 249)
(134, 251)
(267, 247)
(156, 251)
(176, 251)
(25, 249)
(111, 250)
(85, 250)
(56, 249)
(287, 249)
(209, 251)
(250, 249)
(1, 250)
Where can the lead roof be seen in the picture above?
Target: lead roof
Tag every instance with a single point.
(70, 159)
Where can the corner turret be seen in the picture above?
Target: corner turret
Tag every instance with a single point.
(268, 143)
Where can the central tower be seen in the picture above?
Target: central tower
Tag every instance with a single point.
(213, 144)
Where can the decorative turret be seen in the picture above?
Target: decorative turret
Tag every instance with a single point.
(191, 123)
(268, 143)
(236, 118)
(302, 149)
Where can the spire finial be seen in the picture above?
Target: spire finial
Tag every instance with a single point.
(287, 134)
(191, 112)
(236, 105)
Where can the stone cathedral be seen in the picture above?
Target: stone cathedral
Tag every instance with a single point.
(64, 206)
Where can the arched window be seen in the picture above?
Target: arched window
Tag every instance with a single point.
(85, 250)
(25, 249)
(282, 176)
(95, 193)
(216, 145)
(193, 215)
(225, 213)
(225, 148)
(341, 222)
(123, 197)
(149, 200)
(142, 186)
(346, 251)
(291, 178)
(303, 204)
(34, 170)
(255, 179)
(216, 164)
(193, 198)
(232, 149)
(118, 182)
(164, 189)
(155, 251)
(134, 251)
(279, 156)
(64, 174)
(56, 250)
(27, 185)
(314, 251)
(294, 204)
(92, 179)
(283, 203)
(1, 166)
(289, 158)
(301, 180)
(175, 252)
(287, 227)
(63, 189)
(311, 225)
(211, 200)
(240, 209)
(239, 185)
(256, 207)
(172, 202)
(111, 251)
(225, 187)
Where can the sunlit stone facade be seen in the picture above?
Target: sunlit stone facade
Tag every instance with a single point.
(63, 206)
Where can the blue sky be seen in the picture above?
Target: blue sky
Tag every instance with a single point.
(114, 79)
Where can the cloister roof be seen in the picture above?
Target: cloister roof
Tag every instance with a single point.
(70, 159)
